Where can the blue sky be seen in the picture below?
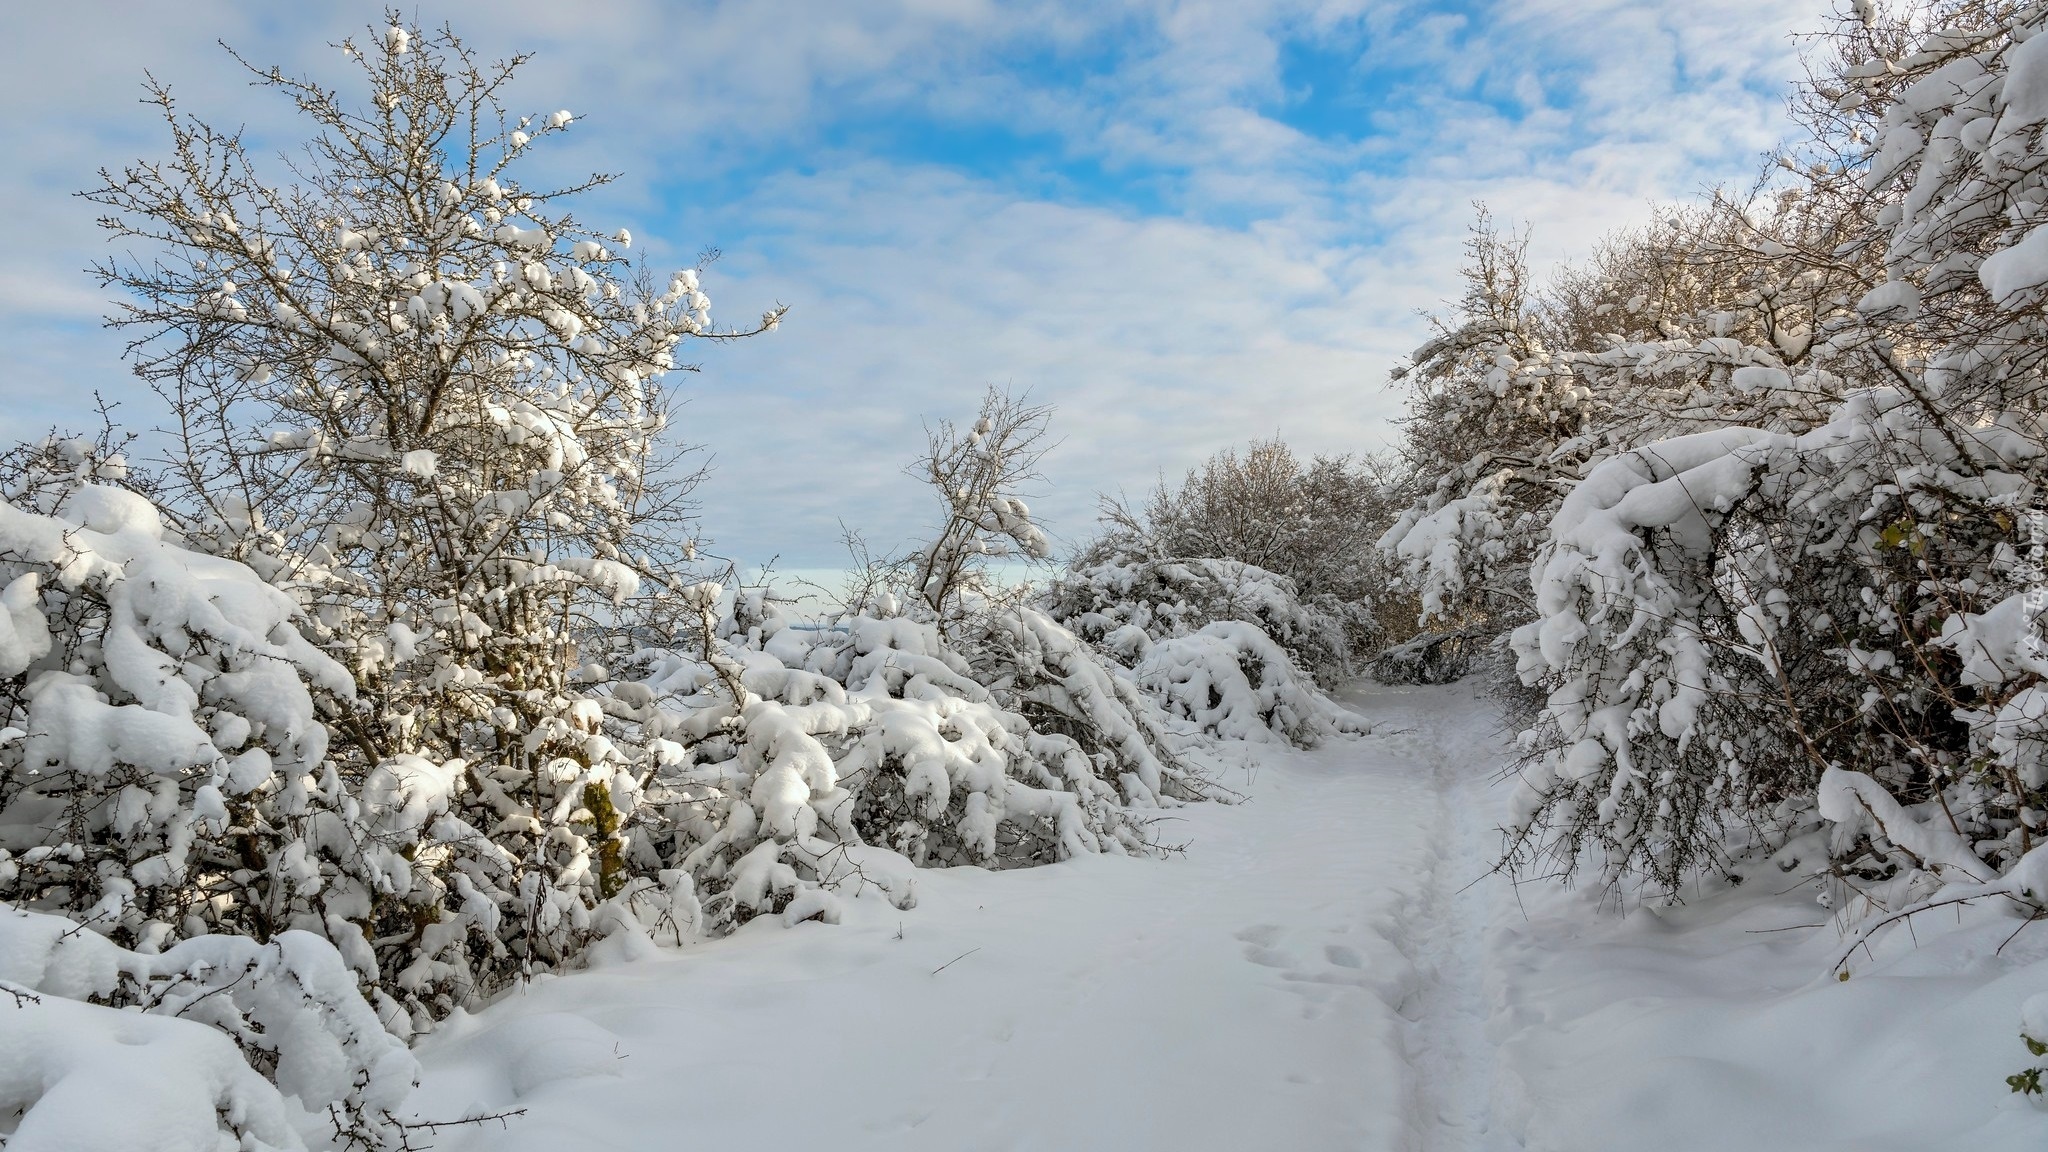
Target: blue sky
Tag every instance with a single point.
(1183, 224)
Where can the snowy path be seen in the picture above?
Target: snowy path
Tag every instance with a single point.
(1451, 1058)
(1306, 977)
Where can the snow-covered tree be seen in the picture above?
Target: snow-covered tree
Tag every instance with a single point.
(976, 475)
(1695, 321)
(415, 392)
(1754, 629)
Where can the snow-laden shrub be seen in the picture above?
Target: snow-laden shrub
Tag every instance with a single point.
(1748, 629)
(1231, 680)
(161, 766)
(1219, 645)
(1695, 322)
(1108, 591)
(1067, 689)
(290, 1033)
(1265, 537)
(858, 750)
(171, 837)
(1725, 616)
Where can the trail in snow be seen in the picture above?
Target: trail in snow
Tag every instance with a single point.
(1451, 1058)
(1250, 994)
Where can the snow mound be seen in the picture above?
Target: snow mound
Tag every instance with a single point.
(290, 1006)
(83, 1078)
(550, 1047)
(2034, 1018)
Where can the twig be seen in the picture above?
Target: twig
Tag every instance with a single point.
(954, 960)
(431, 1126)
(2000, 950)
(1969, 894)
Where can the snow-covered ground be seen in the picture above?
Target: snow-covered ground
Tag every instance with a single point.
(1318, 971)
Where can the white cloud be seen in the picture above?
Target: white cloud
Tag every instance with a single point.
(1272, 296)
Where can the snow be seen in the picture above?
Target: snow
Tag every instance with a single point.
(420, 462)
(1239, 997)
(194, 1021)
(64, 1064)
(2009, 274)
(2034, 1018)
(2025, 95)
(1894, 296)
(1714, 1026)
(1318, 971)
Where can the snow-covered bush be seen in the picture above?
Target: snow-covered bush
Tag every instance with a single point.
(1173, 601)
(1230, 679)
(1213, 642)
(1261, 533)
(803, 762)
(854, 752)
(1747, 630)
(1697, 321)
(1727, 614)
(1105, 593)
(1068, 688)
(289, 1034)
(165, 813)
(161, 764)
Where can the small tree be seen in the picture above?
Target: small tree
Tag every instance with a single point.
(976, 475)
(1487, 415)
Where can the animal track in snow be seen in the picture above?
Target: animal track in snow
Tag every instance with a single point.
(1316, 981)
(1263, 935)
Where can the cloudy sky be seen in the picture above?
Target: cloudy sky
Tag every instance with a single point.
(1183, 223)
